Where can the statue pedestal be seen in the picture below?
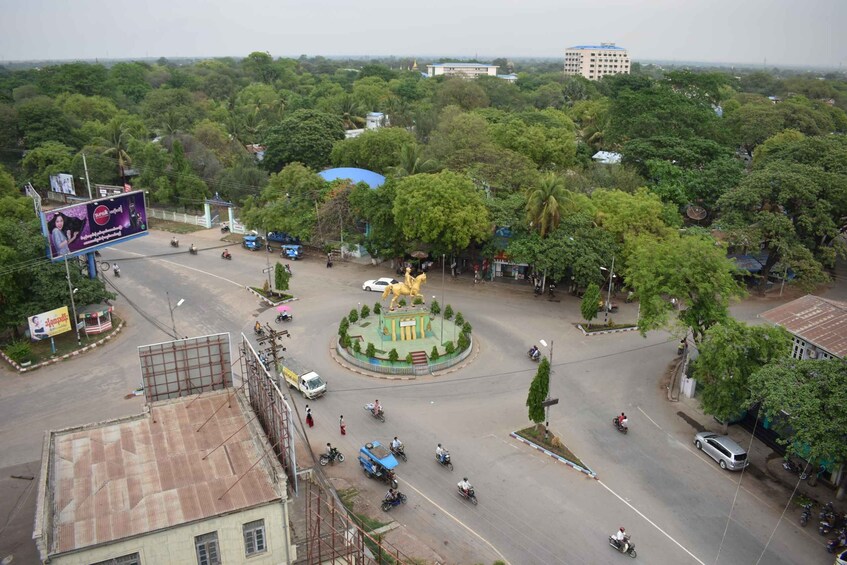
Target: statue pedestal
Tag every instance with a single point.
(405, 324)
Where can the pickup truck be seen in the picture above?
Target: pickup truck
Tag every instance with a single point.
(309, 383)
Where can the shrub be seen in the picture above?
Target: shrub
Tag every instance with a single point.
(19, 351)
(377, 308)
(434, 308)
(409, 359)
(418, 300)
(459, 319)
(266, 288)
(370, 350)
(345, 341)
(401, 303)
(448, 312)
(466, 328)
(449, 348)
(357, 346)
(343, 327)
(434, 353)
(365, 311)
(464, 341)
(393, 356)
(353, 316)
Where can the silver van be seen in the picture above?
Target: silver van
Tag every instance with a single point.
(722, 449)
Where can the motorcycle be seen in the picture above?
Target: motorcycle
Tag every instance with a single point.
(226, 256)
(630, 549)
(284, 317)
(383, 474)
(446, 462)
(795, 468)
(807, 512)
(616, 421)
(224, 228)
(826, 510)
(335, 456)
(174, 243)
(470, 495)
(537, 290)
(550, 291)
(831, 523)
(192, 250)
(836, 542)
(535, 356)
(379, 415)
(399, 452)
(260, 331)
(388, 504)
(117, 271)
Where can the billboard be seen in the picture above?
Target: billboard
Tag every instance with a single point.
(48, 324)
(80, 228)
(62, 183)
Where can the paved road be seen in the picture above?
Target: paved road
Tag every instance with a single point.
(532, 509)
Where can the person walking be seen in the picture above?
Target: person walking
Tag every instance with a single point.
(309, 419)
(342, 426)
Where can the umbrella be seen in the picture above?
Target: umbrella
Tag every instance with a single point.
(419, 254)
(283, 308)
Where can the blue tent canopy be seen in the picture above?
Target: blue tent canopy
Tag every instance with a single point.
(370, 178)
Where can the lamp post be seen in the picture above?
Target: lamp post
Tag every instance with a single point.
(71, 291)
(609, 294)
(172, 308)
(548, 401)
(443, 259)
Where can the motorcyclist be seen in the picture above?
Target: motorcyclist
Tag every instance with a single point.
(174, 241)
(534, 352)
(391, 495)
(116, 269)
(396, 444)
(330, 451)
(258, 327)
(622, 539)
(225, 254)
(441, 453)
(192, 249)
(622, 421)
(465, 486)
(377, 408)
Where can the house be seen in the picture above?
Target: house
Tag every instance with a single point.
(191, 480)
(462, 70)
(258, 151)
(818, 326)
(607, 157)
(511, 77)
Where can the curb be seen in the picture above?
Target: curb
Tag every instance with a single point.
(561, 459)
(604, 332)
(268, 301)
(70, 355)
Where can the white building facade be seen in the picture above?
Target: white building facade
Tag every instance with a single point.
(596, 61)
(461, 70)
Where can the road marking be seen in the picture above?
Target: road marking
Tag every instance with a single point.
(186, 267)
(649, 418)
(468, 528)
(651, 522)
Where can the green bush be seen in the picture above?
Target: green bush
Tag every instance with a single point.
(418, 300)
(434, 308)
(409, 358)
(448, 312)
(433, 355)
(466, 327)
(370, 350)
(345, 341)
(459, 319)
(401, 303)
(464, 341)
(377, 308)
(19, 351)
(365, 311)
(353, 316)
(449, 348)
(343, 327)
(357, 346)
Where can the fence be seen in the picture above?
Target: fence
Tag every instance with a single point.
(178, 217)
(415, 370)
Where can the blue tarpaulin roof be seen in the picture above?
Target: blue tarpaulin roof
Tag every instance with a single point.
(747, 262)
(370, 178)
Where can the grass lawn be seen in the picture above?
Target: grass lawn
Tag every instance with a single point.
(66, 343)
(535, 434)
(589, 328)
(173, 227)
(273, 295)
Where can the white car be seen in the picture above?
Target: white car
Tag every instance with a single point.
(378, 285)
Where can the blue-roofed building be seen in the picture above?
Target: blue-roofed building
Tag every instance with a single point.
(462, 70)
(596, 61)
(354, 175)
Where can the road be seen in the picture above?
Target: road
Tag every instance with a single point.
(679, 506)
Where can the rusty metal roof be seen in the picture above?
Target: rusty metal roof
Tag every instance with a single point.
(819, 321)
(127, 477)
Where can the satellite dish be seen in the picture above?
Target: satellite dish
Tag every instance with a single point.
(696, 212)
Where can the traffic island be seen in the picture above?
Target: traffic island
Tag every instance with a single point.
(547, 442)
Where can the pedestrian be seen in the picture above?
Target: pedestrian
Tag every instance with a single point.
(342, 426)
(328, 261)
(309, 419)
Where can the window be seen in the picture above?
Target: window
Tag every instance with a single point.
(132, 559)
(254, 537)
(207, 549)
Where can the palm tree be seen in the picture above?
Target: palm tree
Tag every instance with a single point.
(547, 203)
(117, 140)
(351, 112)
(412, 162)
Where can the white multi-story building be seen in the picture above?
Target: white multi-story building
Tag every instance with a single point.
(596, 61)
(194, 480)
(462, 70)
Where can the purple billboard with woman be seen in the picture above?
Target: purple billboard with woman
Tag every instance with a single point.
(82, 228)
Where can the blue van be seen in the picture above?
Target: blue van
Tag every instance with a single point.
(292, 252)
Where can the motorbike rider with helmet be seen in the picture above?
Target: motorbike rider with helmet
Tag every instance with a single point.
(622, 539)
(441, 453)
(534, 353)
(465, 486)
(377, 408)
(622, 421)
(396, 444)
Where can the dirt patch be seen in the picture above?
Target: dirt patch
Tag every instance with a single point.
(692, 422)
(553, 443)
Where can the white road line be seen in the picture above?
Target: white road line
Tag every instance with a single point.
(649, 418)
(186, 267)
(502, 557)
(651, 522)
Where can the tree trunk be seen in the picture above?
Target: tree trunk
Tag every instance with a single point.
(773, 258)
(725, 427)
(839, 494)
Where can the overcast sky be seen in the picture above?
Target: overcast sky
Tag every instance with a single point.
(786, 32)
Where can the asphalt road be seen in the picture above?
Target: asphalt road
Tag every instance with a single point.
(679, 506)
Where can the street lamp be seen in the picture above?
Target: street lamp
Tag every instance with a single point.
(608, 304)
(172, 308)
(548, 402)
(443, 261)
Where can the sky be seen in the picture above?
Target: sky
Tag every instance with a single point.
(772, 32)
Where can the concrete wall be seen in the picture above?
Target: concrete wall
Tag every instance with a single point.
(177, 545)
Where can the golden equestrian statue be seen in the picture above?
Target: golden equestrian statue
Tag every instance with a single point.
(410, 288)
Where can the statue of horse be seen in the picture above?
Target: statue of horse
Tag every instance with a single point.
(401, 289)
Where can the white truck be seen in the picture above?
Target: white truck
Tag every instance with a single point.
(309, 383)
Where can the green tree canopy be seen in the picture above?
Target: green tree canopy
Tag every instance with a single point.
(305, 136)
(538, 391)
(590, 301)
(375, 150)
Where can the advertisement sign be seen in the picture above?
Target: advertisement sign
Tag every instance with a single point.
(62, 183)
(48, 324)
(80, 228)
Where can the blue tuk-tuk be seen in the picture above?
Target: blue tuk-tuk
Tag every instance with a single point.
(252, 242)
(292, 252)
(378, 463)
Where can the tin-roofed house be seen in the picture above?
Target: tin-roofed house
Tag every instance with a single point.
(818, 326)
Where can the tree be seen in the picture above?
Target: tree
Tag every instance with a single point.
(40, 121)
(444, 209)
(117, 141)
(411, 161)
(538, 391)
(376, 150)
(813, 393)
(546, 204)
(50, 158)
(281, 277)
(127, 80)
(385, 237)
(729, 354)
(168, 110)
(590, 300)
(305, 136)
(260, 66)
(691, 270)
(465, 94)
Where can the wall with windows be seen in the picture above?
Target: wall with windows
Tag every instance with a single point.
(594, 62)
(257, 536)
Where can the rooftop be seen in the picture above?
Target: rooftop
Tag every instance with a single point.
(122, 478)
(819, 321)
(354, 175)
(603, 47)
(461, 65)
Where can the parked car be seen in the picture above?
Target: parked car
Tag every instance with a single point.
(282, 237)
(722, 449)
(378, 285)
(252, 242)
(841, 558)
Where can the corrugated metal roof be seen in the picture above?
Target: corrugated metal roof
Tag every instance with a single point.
(460, 65)
(603, 47)
(819, 321)
(127, 477)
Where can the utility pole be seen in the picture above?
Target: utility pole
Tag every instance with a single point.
(73, 305)
(87, 182)
(271, 340)
(609, 295)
